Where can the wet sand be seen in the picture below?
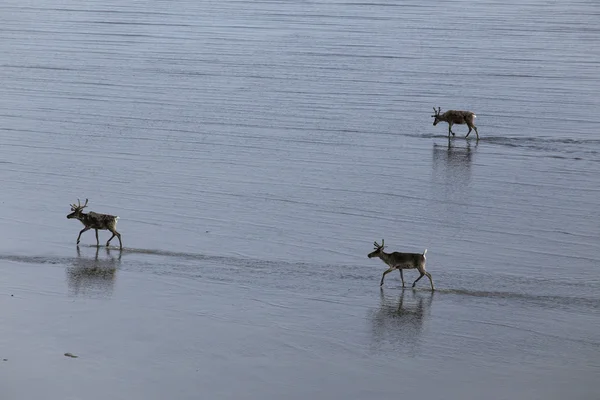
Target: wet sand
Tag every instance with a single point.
(150, 334)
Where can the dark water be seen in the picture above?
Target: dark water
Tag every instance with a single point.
(255, 150)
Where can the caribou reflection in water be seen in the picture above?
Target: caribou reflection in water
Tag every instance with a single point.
(452, 163)
(93, 276)
(451, 183)
(399, 320)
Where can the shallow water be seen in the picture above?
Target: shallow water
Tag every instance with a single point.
(255, 150)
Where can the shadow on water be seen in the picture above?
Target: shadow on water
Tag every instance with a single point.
(93, 276)
(398, 322)
(550, 301)
(174, 255)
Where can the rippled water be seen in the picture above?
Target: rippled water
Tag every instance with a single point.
(263, 146)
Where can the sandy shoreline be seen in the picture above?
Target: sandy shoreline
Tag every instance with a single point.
(123, 337)
(151, 336)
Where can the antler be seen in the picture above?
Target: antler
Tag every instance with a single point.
(78, 205)
(377, 246)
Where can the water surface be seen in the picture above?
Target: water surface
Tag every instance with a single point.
(255, 150)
